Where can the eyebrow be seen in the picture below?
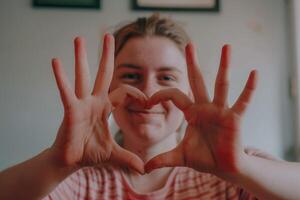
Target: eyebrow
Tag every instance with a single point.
(164, 68)
(126, 65)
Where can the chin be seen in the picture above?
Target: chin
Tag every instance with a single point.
(149, 132)
(143, 128)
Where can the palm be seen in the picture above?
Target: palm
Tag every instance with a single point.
(217, 135)
(83, 144)
(83, 137)
(211, 142)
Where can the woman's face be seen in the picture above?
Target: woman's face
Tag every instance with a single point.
(150, 64)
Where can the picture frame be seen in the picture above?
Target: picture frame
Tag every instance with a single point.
(177, 5)
(89, 4)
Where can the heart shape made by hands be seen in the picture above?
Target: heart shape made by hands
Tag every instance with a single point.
(126, 95)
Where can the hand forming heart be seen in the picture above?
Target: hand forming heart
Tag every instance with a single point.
(83, 137)
(211, 142)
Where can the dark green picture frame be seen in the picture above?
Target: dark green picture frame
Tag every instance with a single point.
(89, 4)
(214, 8)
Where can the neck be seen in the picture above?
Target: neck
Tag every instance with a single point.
(145, 150)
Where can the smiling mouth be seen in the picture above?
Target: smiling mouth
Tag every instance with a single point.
(145, 111)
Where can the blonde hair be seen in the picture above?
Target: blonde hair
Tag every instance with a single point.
(155, 25)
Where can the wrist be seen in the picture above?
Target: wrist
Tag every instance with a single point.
(54, 158)
(243, 161)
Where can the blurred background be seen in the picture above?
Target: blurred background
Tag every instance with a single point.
(263, 34)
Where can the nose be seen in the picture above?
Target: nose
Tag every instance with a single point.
(149, 86)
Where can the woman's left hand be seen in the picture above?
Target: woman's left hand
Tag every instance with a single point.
(212, 139)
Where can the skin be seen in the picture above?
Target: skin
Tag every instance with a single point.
(213, 131)
(213, 128)
(83, 137)
(141, 64)
(150, 64)
(211, 123)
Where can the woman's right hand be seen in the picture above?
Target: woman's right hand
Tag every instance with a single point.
(84, 138)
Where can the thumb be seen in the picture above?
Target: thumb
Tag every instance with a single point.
(126, 158)
(168, 159)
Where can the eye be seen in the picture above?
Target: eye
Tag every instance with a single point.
(131, 77)
(167, 78)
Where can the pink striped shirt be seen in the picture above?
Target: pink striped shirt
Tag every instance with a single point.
(91, 183)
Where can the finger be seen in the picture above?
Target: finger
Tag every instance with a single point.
(201, 115)
(124, 158)
(181, 100)
(82, 75)
(119, 96)
(195, 76)
(106, 111)
(242, 102)
(168, 159)
(106, 66)
(221, 85)
(65, 90)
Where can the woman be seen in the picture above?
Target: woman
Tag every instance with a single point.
(149, 78)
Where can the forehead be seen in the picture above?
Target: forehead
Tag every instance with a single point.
(151, 53)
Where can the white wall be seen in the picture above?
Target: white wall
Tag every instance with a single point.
(30, 108)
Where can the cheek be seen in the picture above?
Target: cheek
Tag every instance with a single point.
(174, 117)
(120, 118)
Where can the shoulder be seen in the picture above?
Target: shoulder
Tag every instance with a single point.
(205, 184)
(89, 177)
(87, 182)
(189, 173)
